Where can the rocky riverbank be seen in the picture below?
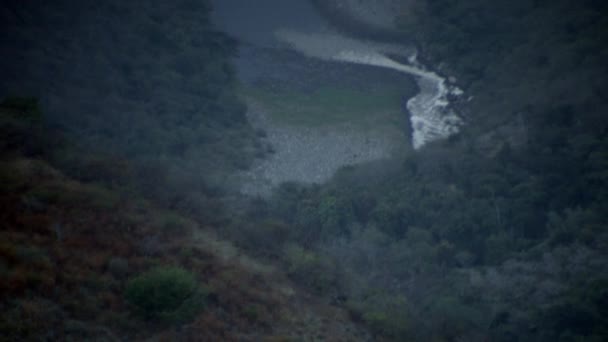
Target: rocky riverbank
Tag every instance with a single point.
(315, 115)
(313, 154)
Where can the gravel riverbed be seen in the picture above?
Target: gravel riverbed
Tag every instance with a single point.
(313, 154)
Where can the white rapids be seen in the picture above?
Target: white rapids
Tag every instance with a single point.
(430, 116)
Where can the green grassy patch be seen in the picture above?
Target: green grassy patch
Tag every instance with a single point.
(380, 105)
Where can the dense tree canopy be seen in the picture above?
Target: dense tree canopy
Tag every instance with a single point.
(151, 82)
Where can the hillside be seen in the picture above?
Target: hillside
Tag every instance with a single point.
(126, 128)
(116, 172)
(70, 249)
(150, 82)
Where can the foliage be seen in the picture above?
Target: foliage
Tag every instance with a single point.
(141, 128)
(169, 294)
(24, 108)
(21, 128)
(172, 223)
(156, 83)
(385, 313)
(535, 55)
(311, 269)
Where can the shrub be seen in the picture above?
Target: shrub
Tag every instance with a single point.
(313, 270)
(24, 108)
(118, 267)
(384, 313)
(167, 294)
(173, 223)
(22, 129)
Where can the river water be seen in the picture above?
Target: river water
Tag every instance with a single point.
(430, 115)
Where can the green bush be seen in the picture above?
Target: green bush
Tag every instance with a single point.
(311, 269)
(167, 294)
(23, 108)
(385, 313)
(173, 223)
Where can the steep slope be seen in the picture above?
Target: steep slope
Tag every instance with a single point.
(68, 250)
(149, 82)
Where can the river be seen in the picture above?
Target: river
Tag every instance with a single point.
(430, 115)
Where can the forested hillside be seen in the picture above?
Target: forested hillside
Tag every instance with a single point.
(145, 81)
(119, 127)
(539, 58)
(92, 260)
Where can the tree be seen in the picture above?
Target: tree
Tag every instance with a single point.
(168, 294)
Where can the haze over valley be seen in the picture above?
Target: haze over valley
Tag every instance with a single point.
(304, 170)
